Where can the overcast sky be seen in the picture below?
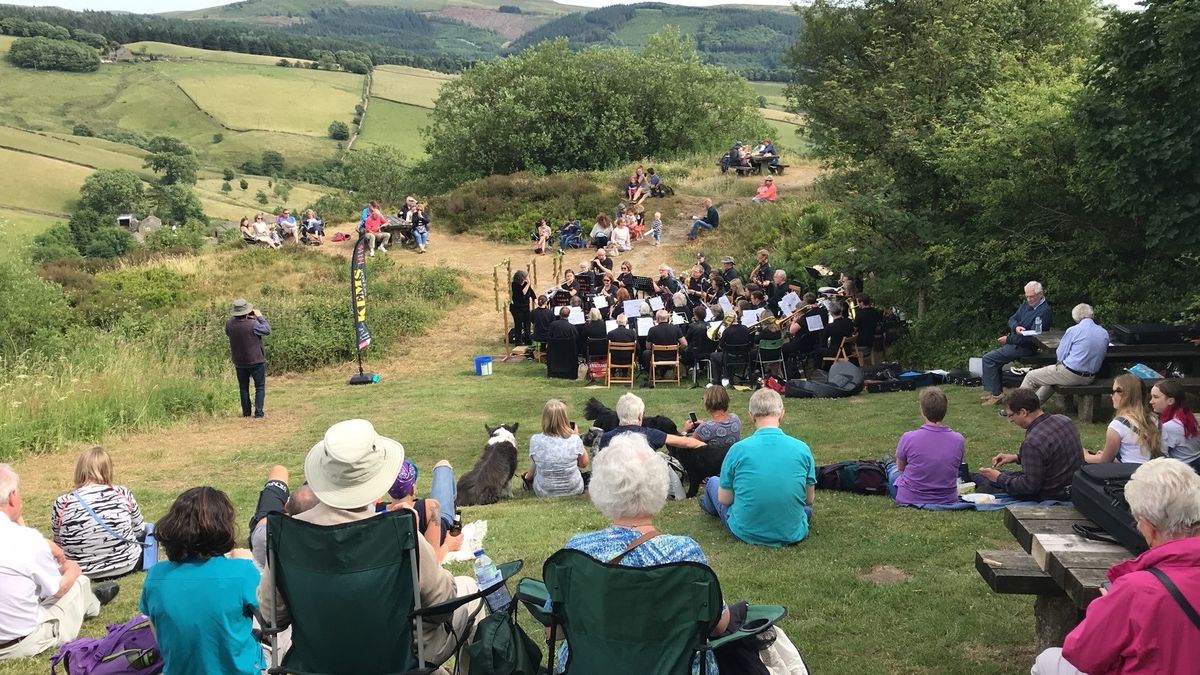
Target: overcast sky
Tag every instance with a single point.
(147, 6)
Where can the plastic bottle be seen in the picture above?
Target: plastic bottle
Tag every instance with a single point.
(487, 574)
(1037, 324)
(150, 550)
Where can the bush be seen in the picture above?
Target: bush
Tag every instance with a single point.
(54, 244)
(244, 184)
(272, 163)
(34, 312)
(228, 174)
(40, 53)
(108, 242)
(217, 138)
(82, 129)
(335, 207)
(226, 187)
(261, 197)
(339, 131)
(187, 238)
(507, 207)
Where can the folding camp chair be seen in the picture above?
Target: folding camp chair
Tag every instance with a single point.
(352, 592)
(644, 620)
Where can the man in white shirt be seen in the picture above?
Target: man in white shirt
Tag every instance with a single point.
(1080, 354)
(43, 597)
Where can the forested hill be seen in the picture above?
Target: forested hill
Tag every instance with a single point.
(749, 41)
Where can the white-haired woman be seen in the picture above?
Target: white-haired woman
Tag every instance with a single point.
(629, 485)
(1138, 625)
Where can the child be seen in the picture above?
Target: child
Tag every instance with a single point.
(656, 227)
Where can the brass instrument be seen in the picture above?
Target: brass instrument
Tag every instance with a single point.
(780, 322)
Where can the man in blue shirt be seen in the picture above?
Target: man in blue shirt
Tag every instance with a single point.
(765, 491)
(1031, 318)
(1080, 354)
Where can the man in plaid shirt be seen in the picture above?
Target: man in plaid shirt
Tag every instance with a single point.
(1049, 456)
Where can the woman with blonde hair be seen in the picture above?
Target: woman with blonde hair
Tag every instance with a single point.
(1134, 435)
(98, 524)
(557, 454)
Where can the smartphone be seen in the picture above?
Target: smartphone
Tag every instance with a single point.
(380, 507)
(572, 426)
(692, 417)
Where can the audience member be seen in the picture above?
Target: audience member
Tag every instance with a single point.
(1180, 435)
(256, 233)
(764, 494)
(349, 469)
(630, 411)
(1049, 455)
(928, 457)
(601, 231)
(373, 229)
(557, 454)
(656, 228)
(1033, 316)
(275, 497)
(1133, 436)
(246, 328)
(629, 485)
(262, 232)
(286, 224)
(43, 596)
(1080, 354)
(314, 229)
(765, 194)
(709, 221)
(542, 234)
(436, 514)
(98, 525)
(200, 600)
(723, 428)
(420, 226)
(1139, 624)
(621, 238)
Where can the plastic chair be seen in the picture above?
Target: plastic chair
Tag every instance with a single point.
(664, 356)
(620, 357)
(770, 352)
(348, 585)
(644, 620)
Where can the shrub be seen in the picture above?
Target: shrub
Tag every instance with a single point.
(82, 129)
(217, 138)
(335, 207)
(108, 242)
(226, 187)
(506, 207)
(34, 312)
(244, 184)
(272, 163)
(228, 174)
(40, 53)
(261, 197)
(339, 131)
(54, 244)
(187, 238)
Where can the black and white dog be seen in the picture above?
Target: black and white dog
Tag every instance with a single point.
(491, 477)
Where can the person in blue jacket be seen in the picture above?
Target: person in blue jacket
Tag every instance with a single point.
(1032, 317)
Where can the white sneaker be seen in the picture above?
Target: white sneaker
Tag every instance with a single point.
(372, 253)
(724, 381)
(383, 249)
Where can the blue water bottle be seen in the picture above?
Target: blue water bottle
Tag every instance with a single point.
(150, 548)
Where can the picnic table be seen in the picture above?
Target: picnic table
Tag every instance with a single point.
(1061, 569)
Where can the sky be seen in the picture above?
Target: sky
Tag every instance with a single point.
(152, 6)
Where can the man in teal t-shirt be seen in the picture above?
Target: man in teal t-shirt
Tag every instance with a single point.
(765, 491)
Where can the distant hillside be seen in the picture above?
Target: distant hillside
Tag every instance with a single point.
(749, 41)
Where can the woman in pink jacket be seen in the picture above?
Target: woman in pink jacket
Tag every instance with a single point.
(1138, 626)
(766, 191)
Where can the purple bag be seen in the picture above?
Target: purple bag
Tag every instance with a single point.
(128, 649)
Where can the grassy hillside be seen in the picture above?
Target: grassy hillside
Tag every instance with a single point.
(181, 52)
(390, 123)
(412, 86)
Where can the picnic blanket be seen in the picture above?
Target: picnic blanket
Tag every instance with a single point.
(1002, 500)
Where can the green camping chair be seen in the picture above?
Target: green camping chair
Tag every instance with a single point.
(352, 593)
(644, 620)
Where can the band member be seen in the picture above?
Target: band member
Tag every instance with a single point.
(804, 338)
(519, 306)
(666, 286)
(617, 307)
(735, 337)
(542, 317)
(715, 287)
(776, 291)
(758, 299)
(699, 345)
(696, 285)
(569, 285)
(761, 274)
(728, 271)
(704, 265)
(602, 264)
(625, 278)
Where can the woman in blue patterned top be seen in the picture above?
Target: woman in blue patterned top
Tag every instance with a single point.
(629, 485)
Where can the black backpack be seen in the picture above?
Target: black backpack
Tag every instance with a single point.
(1098, 492)
(501, 646)
(864, 477)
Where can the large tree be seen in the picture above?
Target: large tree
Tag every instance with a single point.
(549, 108)
(110, 192)
(174, 159)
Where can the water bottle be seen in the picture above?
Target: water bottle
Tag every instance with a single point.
(150, 550)
(1037, 324)
(486, 575)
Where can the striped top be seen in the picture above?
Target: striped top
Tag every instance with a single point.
(83, 539)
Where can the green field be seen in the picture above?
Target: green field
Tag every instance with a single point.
(93, 152)
(412, 86)
(388, 123)
(647, 22)
(182, 52)
(773, 92)
(39, 183)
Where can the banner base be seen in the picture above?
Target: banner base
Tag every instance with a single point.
(364, 378)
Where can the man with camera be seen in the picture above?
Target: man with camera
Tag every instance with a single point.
(246, 328)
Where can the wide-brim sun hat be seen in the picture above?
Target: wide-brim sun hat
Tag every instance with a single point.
(240, 307)
(728, 259)
(352, 465)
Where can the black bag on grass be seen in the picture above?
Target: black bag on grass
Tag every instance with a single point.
(864, 477)
(1098, 492)
(501, 646)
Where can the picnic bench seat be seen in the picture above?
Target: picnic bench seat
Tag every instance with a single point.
(777, 169)
(1083, 400)
(1013, 572)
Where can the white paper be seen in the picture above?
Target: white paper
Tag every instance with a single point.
(750, 317)
(599, 302)
(633, 309)
(656, 303)
(724, 303)
(708, 315)
(1029, 333)
(610, 325)
(814, 323)
(576, 316)
(678, 319)
(644, 326)
(789, 303)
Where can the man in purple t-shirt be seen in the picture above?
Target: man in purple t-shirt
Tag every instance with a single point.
(927, 458)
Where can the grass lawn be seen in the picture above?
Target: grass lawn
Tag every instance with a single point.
(293, 100)
(39, 183)
(940, 619)
(182, 52)
(388, 123)
(403, 84)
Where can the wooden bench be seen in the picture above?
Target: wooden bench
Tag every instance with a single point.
(777, 169)
(1083, 401)
(743, 170)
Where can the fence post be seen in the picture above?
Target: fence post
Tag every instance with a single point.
(496, 291)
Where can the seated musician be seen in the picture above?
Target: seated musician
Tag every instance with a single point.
(562, 359)
(804, 341)
(838, 329)
(601, 263)
(696, 333)
(585, 279)
(569, 285)
(617, 306)
(758, 299)
(607, 289)
(703, 265)
(866, 322)
(622, 333)
(761, 274)
(695, 285)
(594, 330)
(541, 317)
(728, 270)
(769, 333)
(625, 277)
(735, 336)
(666, 282)
(714, 287)
(778, 288)
(664, 334)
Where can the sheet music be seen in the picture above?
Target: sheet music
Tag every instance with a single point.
(644, 326)
(708, 315)
(814, 323)
(633, 308)
(678, 319)
(789, 303)
(750, 317)
(599, 302)
(724, 303)
(610, 325)
(576, 317)
(656, 303)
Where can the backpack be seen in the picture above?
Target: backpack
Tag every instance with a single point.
(864, 477)
(501, 647)
(128, 649)
(1098, 492)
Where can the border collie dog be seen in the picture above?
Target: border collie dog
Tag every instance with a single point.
(490, 478)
